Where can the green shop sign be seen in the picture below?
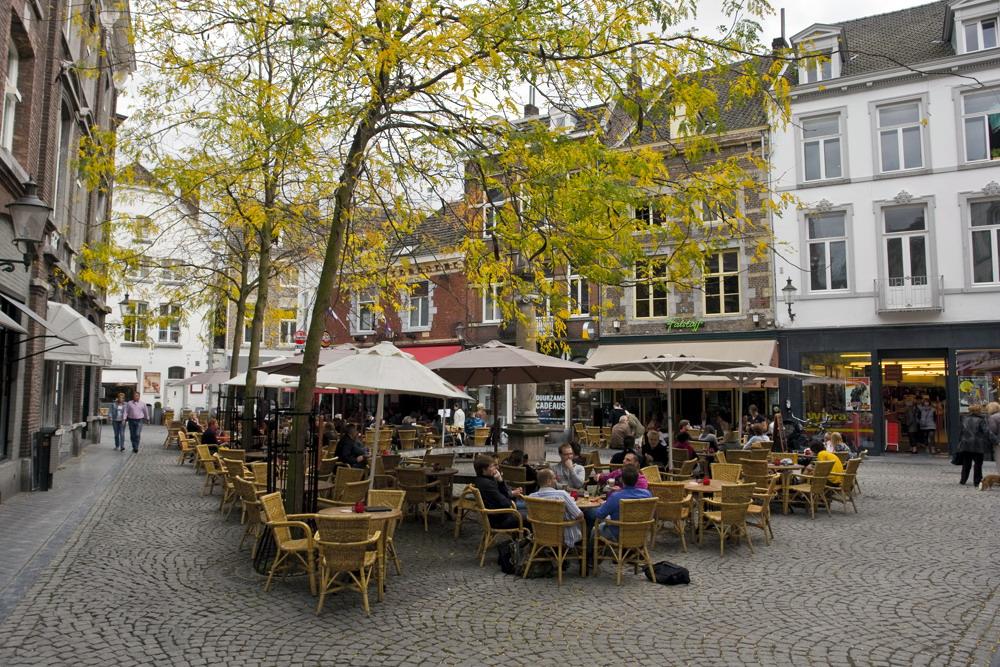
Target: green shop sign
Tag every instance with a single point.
(679, 324)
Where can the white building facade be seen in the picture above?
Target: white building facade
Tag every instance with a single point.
(891, 261)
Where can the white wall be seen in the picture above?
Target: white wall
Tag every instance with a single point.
(943, 183)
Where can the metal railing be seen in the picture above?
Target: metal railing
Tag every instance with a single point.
(908, 293)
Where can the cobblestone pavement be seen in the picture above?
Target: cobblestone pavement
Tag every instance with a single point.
(152, 576)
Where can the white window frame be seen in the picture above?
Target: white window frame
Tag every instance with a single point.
(419, 305)
(650, 281)
(577, 286)
(984, 116)
(897, 130)
(168, 325)
(492, 313)
(362, 300)
(649, 214)
(817, 70)
(993, 231)
(490, 210)
(722, 274)
(286, 332)
(840, 137)
(826, 241)
(11, 97)
(136, 322)
(977, 24)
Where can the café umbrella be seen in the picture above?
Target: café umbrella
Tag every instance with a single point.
(293, 365)
(496, 363)
(667, 368)
(385, 369)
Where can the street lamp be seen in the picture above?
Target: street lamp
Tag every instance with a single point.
(28, 215)
(788, 291)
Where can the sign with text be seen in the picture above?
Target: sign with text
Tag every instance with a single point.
(679, 324)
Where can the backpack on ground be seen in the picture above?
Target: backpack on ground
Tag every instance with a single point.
(512, 556)
(669, 574)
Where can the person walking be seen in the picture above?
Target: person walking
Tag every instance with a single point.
(993, 421)
(927, 423)
(117, 415)
(975, 443)
(136, 413)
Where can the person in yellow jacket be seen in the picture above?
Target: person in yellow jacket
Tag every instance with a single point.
(826, 454)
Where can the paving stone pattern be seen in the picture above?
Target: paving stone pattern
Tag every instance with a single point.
(152, 576)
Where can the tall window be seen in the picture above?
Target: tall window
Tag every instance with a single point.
(821, 147)
(651, 288)
(135, 321)
(418, 306)
(899, 137)
(11, 97)
(906, 255)
(981, 34)
(827, 251)
(169, 271)
(722, 283)
(491, 304)
(248, 329)
(714, 211)
(985, 219)
(169, 324)
(493, 202)
(981, 122)
(365, 312)
(579, 293)
(286, 332)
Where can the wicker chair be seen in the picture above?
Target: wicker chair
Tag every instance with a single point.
(843, 491)
(203, 454)
(727, 472)
(635, 526)
(327, 468)
(441, 460)
(684, 473)
(580, 433)
(548, 528)
(680, 455)
(343, 477)
(385, 471)
(490, 534)
(251, 514)
(651, 473)
(235, 454)
(593, 458)
(346, 546)
(389, 498)
(464, 507)
(480, 435)
(258, 471)
(214, 472)
(173, 430)
(731, 516)
(283, 527)
(759, 453)
(759, 512)
(352, 493)
(843, 456)
(594, 438)
(517, 476)
(421, 493)
(407, 439)
(230, 470)
(756, 472)
(187, 447)
(673, 507)
(813, 490)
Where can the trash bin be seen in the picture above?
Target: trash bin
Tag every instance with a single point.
(41, 459)
(95, 424)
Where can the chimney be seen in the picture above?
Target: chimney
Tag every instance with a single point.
(779, 43)
(530, 110)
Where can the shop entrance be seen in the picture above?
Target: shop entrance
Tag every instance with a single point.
(915, 403)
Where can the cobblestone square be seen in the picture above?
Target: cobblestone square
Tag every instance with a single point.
(151, 575)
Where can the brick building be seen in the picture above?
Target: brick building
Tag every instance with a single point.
(62, 66)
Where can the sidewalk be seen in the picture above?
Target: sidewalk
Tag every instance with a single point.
(36, 525)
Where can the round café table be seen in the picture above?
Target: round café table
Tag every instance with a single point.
(445, 479)
(786, 480)
(380, 521)
(700, 489)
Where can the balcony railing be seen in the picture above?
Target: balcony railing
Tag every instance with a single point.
(908, 293)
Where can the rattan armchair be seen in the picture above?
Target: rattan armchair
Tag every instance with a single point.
(651, 473)
(347, 554)
(187, 447)
(352, 493)
(421, 492)
(843, 491)
(389, 498)
(673, 507)
(635, 526)
(231, 469)
(759, 512)
(517, 477)
(299, 549)
(202, 455)
(251, 513)
(727, 472)
(730, 519)
(548, 528)
(345, 475)
(464, 507)
(813, 490)
(490, 534)
(214, 473)
(683, 473)
(235, 454)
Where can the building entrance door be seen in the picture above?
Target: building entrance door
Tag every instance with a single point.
(914, 402)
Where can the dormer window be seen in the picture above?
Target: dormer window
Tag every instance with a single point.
(820, 69)
(821, 50)
(980, 34)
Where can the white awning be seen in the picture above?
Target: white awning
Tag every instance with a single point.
(7, 323)
(752, 351)
(119, 376)
(91, 346)
(32, 315)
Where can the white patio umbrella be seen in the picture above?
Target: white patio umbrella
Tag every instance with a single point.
(386, 369)
(264, 381)
(667, 368)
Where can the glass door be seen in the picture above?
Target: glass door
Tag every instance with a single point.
(906, 261)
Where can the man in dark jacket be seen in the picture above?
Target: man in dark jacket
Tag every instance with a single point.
(494, 491)
(976, 443)
(349, 450)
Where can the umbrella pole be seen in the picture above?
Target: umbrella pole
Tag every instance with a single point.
(495, 431)
(670, 424)
(444, 420)
(739, 406)
(375, 450)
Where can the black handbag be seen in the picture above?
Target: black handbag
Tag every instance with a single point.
(669, 574)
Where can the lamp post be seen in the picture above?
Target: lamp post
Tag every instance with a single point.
(28, 215)
(788, 292)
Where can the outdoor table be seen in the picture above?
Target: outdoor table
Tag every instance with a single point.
(589, 502)
(252, 456)
(322, 486)
(786, 478)
(380, 521)
(700, 488)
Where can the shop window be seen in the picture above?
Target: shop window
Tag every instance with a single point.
(722, 283)
(651, 288)
(981, 124)
(821, 148)
(827, 234)
(978, 377)
(985, 241)
(843, 398)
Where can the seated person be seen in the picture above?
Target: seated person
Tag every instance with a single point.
(193, 425)
(683, 441)
(547, 489)
(630, 459)
(628, 447)
(568, 473)
(838, 443)
(611, 509)
(683, 425)
(349, 449)
(654, 451)
(618, 433)
(826, 454)
(759, 431)
(494, 491)
(212, 433)
(518, 459)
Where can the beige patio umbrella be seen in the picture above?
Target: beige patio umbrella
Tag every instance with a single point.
(385, 369)
(496, 363)
(667, 368)
(293, 365)
(213, 377)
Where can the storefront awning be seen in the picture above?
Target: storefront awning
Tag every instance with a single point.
(10, 325)
(119, 376)
(91, 345)
(751, 351)
(38, 319)
(428, 353)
